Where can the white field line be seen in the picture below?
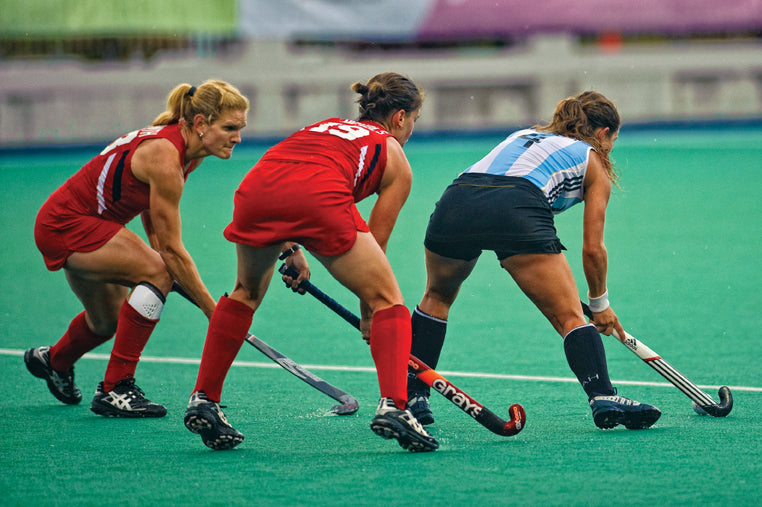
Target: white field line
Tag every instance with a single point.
(499, 376)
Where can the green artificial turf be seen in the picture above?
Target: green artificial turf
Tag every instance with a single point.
(683, 236)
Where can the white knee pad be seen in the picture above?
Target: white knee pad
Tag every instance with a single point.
(147, 300)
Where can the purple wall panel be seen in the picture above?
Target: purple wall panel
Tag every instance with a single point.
(455, 19)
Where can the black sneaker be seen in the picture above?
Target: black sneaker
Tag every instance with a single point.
(610, 411)
(391, 422)
(60, 383)
(205, 418)
(418, 404)
(125, 400)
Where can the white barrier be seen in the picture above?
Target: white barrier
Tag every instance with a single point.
(71, 102)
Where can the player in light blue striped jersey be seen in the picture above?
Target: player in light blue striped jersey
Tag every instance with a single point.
(505, 203)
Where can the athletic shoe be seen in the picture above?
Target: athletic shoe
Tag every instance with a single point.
(391, 422)
(609, 411)
(418, 404)
(125, 400)
(205, 418)
(60, 383)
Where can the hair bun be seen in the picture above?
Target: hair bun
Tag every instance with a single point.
(360, 88)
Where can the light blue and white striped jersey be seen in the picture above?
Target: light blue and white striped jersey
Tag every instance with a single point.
(555, 164)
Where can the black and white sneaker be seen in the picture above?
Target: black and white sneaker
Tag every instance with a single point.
(418, 404)
(391, 422)
(125, 400)
(610, 411)
(60, 383)
(205, 418)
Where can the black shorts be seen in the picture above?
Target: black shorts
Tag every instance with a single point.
(505, 214)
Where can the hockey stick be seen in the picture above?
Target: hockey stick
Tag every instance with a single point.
(666, 370)
(348, 405)
(429, 376)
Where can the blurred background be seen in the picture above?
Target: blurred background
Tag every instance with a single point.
(83, 71)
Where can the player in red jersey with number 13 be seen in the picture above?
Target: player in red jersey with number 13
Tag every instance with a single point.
(303, 192)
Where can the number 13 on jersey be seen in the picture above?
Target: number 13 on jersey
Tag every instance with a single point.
(348, 131)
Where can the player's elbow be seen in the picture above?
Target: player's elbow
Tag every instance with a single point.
(594, 254)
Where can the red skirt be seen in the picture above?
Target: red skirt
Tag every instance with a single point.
(59, 234)
(310, 204)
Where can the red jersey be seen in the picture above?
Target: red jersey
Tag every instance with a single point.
(305, 188)
(105, 187)
(100, 198)
(357, 149)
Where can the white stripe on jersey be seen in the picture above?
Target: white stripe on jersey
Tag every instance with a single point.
(102, 184)
(360, 164)
(555, 164)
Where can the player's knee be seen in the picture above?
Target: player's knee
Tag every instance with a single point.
(251, 298)
(378, 297)
(154, 271)
(383, 301)
(440, 298)
(565, 325)
(147, 300)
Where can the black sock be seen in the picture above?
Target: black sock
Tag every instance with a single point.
(428, 338)
(587, 359)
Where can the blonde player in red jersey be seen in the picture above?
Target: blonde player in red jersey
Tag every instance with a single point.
(81, 228)
(303, 192)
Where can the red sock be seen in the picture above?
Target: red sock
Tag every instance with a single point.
(132, 333)
(390, 337)
(77, 341)
(228, 327)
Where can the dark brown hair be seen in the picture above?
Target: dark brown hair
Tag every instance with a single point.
(386, 93)
(579, 116)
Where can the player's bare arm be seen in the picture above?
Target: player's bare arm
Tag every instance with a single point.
(157, 164)
(393, 192)
(594, 255)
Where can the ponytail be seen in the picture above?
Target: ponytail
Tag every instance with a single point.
(580, 116)
(209, 99)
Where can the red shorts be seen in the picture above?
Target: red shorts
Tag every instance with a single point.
(59, 235)
(312, 205)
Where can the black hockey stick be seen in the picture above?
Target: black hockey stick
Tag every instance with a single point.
(666, 370)
(348, 405)
(429, 376)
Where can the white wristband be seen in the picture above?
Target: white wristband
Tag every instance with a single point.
(598, 304)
